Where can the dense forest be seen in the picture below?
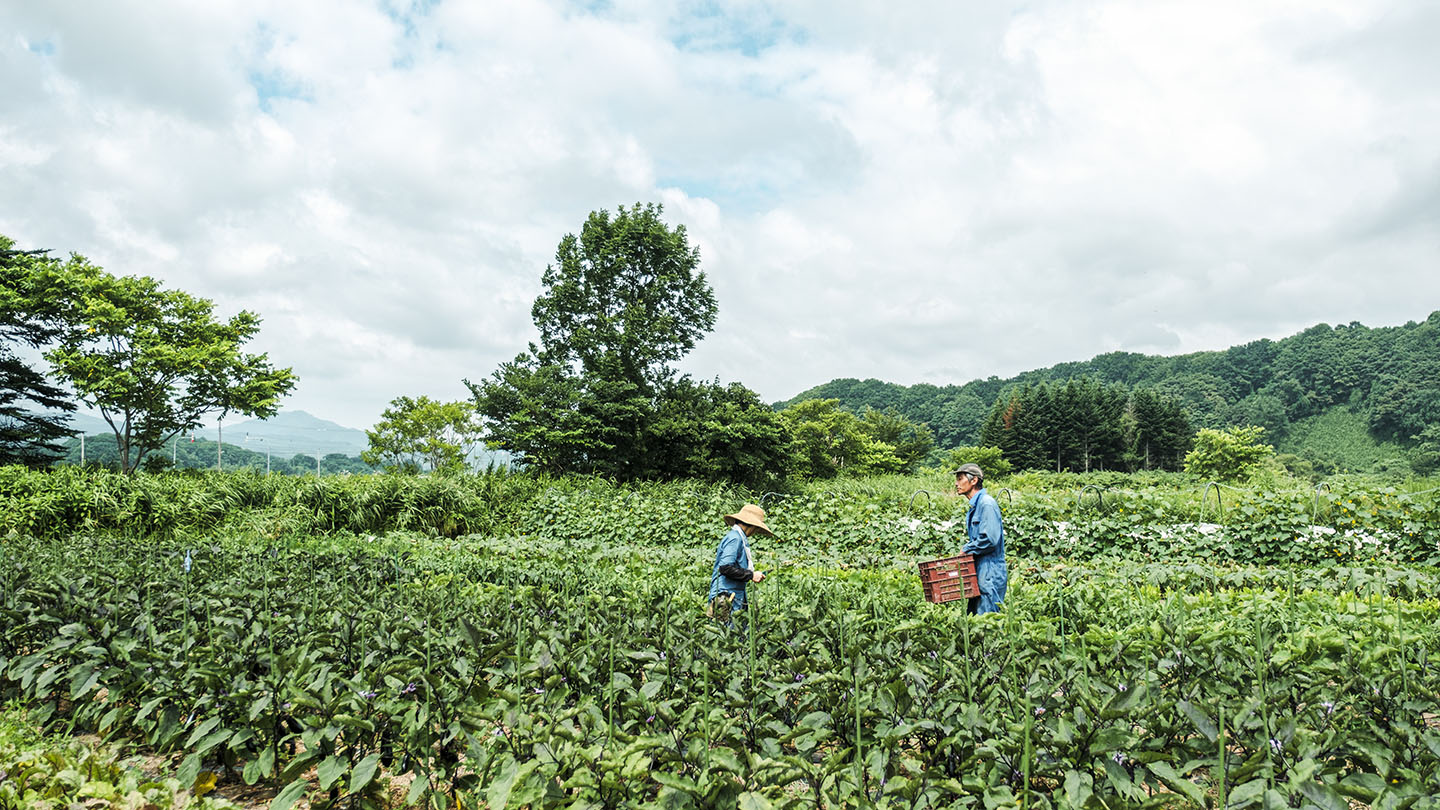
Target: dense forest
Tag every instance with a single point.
(1385, 379)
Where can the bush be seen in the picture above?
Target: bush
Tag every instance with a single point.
(1233, 454)
(991, 460)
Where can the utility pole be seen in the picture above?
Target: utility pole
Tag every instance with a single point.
(219, 442)
(267, 450)
(82, 449)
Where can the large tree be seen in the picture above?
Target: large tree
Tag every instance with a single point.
(912, 442)
(155, 362)
(34, 412)
(827, 441)
(622, 301)
(1158, 431)
(625, 298)
(420, 433)
(719, 433)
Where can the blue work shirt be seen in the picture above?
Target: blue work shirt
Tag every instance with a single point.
(733, 551)
(986, 541)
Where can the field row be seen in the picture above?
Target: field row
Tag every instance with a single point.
(561, 674)
(1175, 518)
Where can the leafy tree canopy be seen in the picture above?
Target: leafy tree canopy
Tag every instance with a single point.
(154, 361)
(622, 301)
(991, 460)
(1085, 425)
(420, 433)
(625, 298)
(1233, 454)
(827, 441)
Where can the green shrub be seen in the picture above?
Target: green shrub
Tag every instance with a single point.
(1233, 454)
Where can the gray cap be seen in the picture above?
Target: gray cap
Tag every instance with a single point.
(973, 469)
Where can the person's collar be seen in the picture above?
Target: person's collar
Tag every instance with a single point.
(975, 493)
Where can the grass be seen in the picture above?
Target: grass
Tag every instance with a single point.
(1340, 439)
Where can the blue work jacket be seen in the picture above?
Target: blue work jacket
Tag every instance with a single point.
(986, 540)
(732, 551)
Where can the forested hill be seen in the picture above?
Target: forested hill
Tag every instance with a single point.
(1389, 377)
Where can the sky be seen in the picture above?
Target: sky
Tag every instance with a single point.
(917, 192)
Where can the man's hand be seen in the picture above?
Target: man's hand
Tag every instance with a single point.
(759, 575)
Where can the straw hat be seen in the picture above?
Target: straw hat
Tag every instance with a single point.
(751, 515)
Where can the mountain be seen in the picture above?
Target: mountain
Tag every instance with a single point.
(1383, 381)
(89, 425)
(283, 435)
(290, 432)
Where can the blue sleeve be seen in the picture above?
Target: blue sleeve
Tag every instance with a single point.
(987, 515)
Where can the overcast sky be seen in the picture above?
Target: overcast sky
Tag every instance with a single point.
(918, 191)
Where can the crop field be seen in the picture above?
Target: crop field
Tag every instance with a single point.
(515, 642)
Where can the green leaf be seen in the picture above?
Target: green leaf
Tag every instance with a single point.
(266, 761)
(83, 682)
(677, 781)
(330, 771)
(213, 740)
(1125, 701)
(202, 729)
(418, 788)
(251, 772)
(751, 800)
(1176, 782)
(816, 720)
(1325, 796)
(1202, 721)
(291, 794)
(188, 770)
(364, 772)
(1247, 793)
(499, 791)
(1362, 786)
(1077, 788)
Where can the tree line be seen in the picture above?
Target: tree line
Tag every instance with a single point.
(1085, 425)
(187, 453)
(598, 394)
(1389, 376)
(154, 362)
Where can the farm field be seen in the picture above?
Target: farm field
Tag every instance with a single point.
(1164, 643)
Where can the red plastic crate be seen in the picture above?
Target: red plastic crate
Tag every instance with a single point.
(949, 578)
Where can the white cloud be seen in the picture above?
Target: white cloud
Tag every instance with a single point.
(923, 192)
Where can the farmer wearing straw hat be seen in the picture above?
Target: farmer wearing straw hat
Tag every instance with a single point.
(985, 539)
(734, 565)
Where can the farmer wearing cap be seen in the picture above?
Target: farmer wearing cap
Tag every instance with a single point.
(986, 539)
(734, 566)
